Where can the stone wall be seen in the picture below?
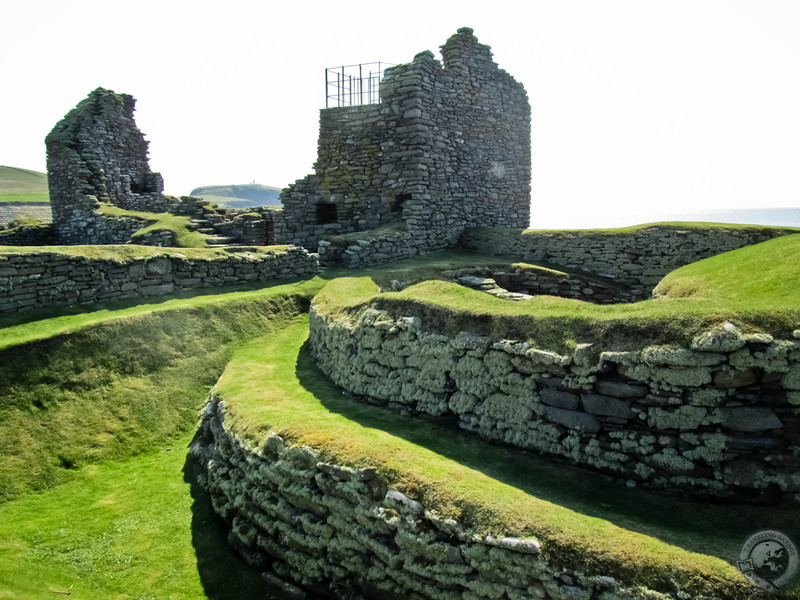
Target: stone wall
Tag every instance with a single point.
(96, 154)
(448, 147)
(720, 417)
(638, 259)
(522, 282)
(28, 235)
(342, 532)
(45, 279)
(11, 210)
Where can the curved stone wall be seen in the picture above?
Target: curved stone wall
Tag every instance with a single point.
(341, 532)
(636, 257)
(718, 418)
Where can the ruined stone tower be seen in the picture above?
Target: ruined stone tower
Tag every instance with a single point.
(96, 154)
(447, 148)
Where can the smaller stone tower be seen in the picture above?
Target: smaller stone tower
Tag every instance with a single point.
(96, 154)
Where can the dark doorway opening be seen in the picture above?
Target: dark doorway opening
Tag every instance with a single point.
(396, 204)
(326, 214)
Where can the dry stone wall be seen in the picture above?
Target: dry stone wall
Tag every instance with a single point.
(11, 210)
(342, 532)
(96, 154)
(45, 279)
(447, 148)
(28, 235)
(720, 417)
(638, 260)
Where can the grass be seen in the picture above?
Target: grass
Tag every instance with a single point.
(16, 181)
(23, 328)
(137, 528)
(686, 225)
(756, 288)
(44, 198)
(117, 387)
(272, 384)
(94, 400)
(124, 253)
(179, 226)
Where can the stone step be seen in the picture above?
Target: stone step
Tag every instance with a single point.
(221, 240)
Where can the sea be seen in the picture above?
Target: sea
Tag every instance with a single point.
(782, 217)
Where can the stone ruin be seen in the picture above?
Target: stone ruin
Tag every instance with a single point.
(447, 148)
(96, 154)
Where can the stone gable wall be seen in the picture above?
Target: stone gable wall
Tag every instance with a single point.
(638, 260)
(718, 418)
(46, 279)
(97, 154)
(448, 147)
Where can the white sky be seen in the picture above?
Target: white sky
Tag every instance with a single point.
(639, 106)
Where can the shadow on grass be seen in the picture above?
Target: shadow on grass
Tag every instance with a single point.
(224, 575)
(715, 529)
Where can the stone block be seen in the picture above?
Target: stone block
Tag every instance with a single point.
(572, 419)
(727, 380)
(599, 404)
(560, 399)
(748, 418)
(620, 389)
(156, 290)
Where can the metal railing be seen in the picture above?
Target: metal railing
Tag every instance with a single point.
(352, 85)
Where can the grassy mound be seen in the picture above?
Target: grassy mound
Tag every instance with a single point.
(272, 384)
(757, 288)
(119, 383)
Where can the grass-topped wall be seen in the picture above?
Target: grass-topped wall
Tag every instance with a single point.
(698, 389)
(41, 277)
(637, 257)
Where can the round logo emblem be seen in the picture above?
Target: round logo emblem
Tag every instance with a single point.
(768, 559)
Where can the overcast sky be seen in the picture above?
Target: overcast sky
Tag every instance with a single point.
(639, 106)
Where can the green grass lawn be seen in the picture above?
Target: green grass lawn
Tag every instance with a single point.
(272, 384)
(133, 529)
(25, 198)
(101, 404)
(16, 181)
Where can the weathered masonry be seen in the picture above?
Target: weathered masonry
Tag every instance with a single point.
(448, 148)
(96, 154)
(717, 417)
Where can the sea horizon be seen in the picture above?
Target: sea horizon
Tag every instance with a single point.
(780, 217)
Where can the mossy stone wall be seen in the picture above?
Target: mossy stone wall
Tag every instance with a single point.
(637, 259)
(95, 154)
(342, 532)
(447, 148)
(45, 279)
(719, 418)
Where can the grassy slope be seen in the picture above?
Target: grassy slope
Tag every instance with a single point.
(40, 548)
(250, 194)
(133, 529)
(757, 288)
(22, 181)
(272, 384)
(117, 388)
(161, 221)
